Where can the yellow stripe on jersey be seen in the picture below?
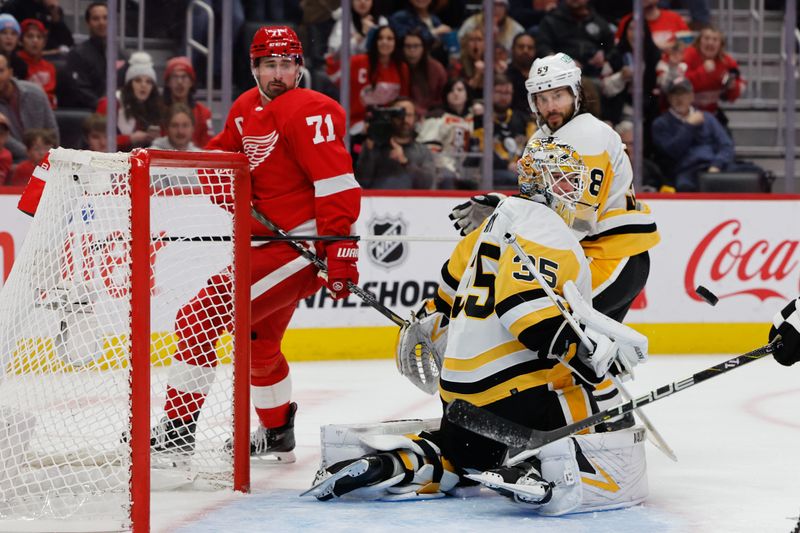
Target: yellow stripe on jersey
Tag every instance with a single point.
(515, 285)
(533, 319)
(622, 233)
(466, 365)
(502, 390)
(453, 269)
(604, 271)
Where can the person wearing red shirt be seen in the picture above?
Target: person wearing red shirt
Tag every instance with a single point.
(302, 179)
(714, 74)
(38, 143)
(377, 77)
(664, 24)
(40, 71)
(180, 88)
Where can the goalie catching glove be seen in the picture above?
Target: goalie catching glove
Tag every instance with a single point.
(342, 258)
(470, 215)
(787, 324)
(420, 347)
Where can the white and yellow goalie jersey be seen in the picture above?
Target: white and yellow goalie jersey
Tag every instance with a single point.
(624, 226)
(503, 324)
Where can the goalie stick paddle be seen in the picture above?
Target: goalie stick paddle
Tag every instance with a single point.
(365, 295)
(487, 424)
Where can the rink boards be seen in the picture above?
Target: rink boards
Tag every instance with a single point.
(743, 248)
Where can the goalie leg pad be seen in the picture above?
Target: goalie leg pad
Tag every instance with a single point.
(419, 471)
(594, 472)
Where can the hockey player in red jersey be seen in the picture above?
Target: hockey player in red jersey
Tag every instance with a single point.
(302, 180)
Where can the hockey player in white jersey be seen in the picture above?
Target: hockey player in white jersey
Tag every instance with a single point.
(616, 239)
(510, 352)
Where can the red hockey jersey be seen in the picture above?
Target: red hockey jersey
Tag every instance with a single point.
(299, 167)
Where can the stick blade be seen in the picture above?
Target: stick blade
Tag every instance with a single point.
(487, 424)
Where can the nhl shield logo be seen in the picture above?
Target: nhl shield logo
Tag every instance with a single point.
(387, 254)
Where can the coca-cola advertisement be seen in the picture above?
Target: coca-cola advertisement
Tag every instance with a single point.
(744, 251)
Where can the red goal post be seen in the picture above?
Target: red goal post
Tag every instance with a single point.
(119, 245)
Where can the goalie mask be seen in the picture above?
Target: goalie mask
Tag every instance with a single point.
(552, 72)
(554, 174)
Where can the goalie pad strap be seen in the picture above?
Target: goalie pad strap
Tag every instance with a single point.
(432, 456)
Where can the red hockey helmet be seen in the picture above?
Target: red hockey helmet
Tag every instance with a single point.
(281, 41)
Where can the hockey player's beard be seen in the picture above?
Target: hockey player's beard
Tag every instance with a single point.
(275, 89)
(557, 119)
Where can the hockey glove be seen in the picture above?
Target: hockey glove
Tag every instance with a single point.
(471, 214)
(342, 259)
(602, 356)
(420, 348)
(787, 324)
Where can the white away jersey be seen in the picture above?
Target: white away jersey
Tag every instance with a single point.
(502, 322)
(624, 227)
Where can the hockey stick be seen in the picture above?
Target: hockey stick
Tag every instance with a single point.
(489, 425)
(324, 238)
(656, 438)
(366, 296)
(422, 351)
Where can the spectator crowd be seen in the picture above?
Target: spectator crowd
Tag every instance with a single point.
(416, 68)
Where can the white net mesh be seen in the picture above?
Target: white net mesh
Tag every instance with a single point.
(65, 330)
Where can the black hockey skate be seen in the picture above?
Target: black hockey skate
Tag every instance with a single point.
(349, 475)
(522, 482)
(173, 436)
(274, 445)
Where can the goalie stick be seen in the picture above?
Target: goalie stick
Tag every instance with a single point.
(497, 428)
(655, 436)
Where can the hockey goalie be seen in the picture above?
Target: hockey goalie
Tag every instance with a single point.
(509, 351)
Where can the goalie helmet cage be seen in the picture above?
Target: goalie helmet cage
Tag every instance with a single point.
(120, 253)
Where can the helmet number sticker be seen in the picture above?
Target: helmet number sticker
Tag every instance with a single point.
(541, 71)
(316, 121)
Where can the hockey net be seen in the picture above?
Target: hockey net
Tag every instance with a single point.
(119, 245)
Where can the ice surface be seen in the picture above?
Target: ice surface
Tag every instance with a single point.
(736, 436)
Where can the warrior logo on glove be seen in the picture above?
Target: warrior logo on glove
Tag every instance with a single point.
(342, 258)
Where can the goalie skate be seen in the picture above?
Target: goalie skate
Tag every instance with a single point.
(325, 480)
(366, 477)
(519, 483)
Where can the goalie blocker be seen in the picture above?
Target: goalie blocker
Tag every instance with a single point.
(401, 460)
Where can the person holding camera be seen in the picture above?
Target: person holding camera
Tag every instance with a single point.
(714, 74)
(391, 157)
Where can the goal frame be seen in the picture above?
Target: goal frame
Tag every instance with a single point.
(141, 161)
